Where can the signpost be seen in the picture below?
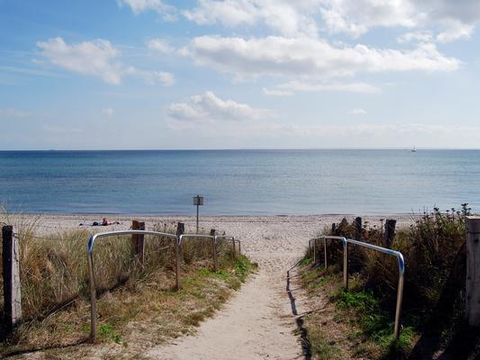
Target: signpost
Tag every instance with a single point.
(198, 201)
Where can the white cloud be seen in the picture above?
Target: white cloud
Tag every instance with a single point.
(283, 17)
(358, 111)
(108, 112)
(451, 20)
(207, 107)
(158, 6)
(160, 45)
(97, 58)
(416, 36)
(310, 57)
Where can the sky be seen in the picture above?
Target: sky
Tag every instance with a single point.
(205, 74)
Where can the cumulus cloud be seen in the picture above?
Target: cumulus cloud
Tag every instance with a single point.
(451, 20)
(309, 57)
(138, 6)
(284, 17)
(207, 107)
(97, 58)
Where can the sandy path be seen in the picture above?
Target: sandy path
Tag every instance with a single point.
(257, 323)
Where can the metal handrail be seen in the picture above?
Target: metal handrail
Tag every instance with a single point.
(93, 290)
(397, 254)
(232, 238)
(214, 245)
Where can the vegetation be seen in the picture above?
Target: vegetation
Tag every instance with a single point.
(55, 288)
(434, 249)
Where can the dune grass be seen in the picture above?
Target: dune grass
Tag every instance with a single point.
(55, 287)
(434, 249)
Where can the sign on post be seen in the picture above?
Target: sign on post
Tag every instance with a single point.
(197, 201)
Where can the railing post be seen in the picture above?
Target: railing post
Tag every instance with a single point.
(138, 241)
(358, 228)
(389, 232)
(345, 264)
(325, 255)
(398, 307)
(180, 231)
(214, 249)
(472, 306)
(11, 279)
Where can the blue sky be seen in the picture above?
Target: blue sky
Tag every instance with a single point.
(159, 74)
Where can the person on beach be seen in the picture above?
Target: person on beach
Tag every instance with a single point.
(104, 222)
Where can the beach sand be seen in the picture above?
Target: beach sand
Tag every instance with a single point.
(257, 322)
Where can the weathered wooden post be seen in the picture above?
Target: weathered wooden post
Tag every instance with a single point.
(334, 229)
(472, 307)
(389, 232)
(358, 228)
(214, 249)
(138, 241)
(11, 279)
(180, 231)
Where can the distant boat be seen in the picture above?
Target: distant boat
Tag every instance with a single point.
(413, 150)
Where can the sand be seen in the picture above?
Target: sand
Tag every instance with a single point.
(257, 322)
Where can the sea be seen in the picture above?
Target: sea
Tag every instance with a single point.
(239, 182)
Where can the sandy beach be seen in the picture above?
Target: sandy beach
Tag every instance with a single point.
(257, 323)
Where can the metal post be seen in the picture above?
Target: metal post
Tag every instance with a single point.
(93, 297)
(197, 217)
(214, 249)
(345, 265)
(398, 307)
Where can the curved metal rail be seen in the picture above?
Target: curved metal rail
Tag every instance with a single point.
(232, 239)
(214, 245)
(93, 290)
(397, 254)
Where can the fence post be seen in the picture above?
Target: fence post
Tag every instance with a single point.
(138, 241)
(358, 228)
(180, 231)
(472, 307)
(389, 232)
(11, 279)
(214, 245)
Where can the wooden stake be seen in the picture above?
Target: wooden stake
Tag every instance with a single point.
(11, 279)
(138, 241)
(472, 306)
(389, 232)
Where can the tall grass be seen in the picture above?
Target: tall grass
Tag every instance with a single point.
(54, 269)
(434, 250)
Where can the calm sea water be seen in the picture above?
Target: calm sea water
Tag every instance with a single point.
(239, 181)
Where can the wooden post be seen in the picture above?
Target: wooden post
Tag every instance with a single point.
(472, 306)
(11, 279)
(389, 232)
(334, 229)
(358, 228)
(214, 249)
(180, 228)
(138, 241)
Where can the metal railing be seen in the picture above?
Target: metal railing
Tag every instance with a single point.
(395, 253)
(214, 245)
(233, 240)
(178, 240)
